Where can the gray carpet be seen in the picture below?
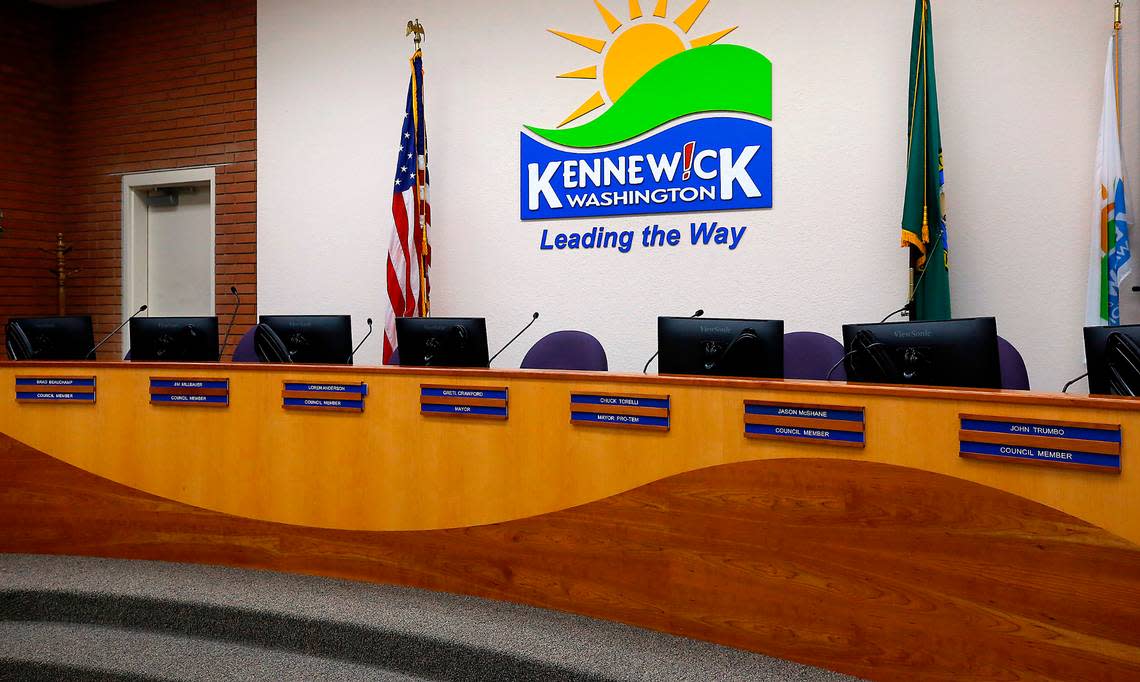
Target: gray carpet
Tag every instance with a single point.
(74, 618)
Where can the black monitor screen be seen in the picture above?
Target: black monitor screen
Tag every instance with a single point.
(49, 338)
(960, 353)
(1113, 356)
(313, 339)
(442, 341)
(174, 339)
(721, 347)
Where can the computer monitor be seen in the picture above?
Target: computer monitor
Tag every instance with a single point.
(305, 339)
(49, 338)
(721, 347)
(962, 353)
(1113, 357)
(442, 341)
(174, 339)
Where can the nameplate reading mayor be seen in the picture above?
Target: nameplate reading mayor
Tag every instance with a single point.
(819, 424)
(55, 390)
(184, 391)
(1075, 445)
(622, 410)
(463, 401)
(321, 396)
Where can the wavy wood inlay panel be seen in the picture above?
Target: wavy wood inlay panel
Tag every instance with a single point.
(875, 570)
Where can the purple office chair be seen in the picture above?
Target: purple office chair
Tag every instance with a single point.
(1013, 372)
(395, 359)
(245, 350)
(809, 355)
(567, 350)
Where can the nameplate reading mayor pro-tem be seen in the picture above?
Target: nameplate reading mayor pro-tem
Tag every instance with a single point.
(55, 390)
(822, 424)
(181, 392)
(1035, 441)
(463, 401)
(624, 410)
(322, 396)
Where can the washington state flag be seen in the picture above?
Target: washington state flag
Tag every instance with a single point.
(1109, 257)
(924, 206)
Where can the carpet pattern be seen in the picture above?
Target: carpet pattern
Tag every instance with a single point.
(74, 618)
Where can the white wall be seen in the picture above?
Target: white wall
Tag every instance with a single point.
(1020, 95)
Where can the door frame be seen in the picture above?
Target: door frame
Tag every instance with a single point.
(135, 225)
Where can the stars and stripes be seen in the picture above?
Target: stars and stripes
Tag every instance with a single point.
(409, 254)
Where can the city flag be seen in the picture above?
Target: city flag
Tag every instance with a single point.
(409, 253)
(924, 208)
(1108, 252)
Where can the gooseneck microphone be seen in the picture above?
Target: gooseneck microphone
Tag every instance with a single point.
(353, 353)
(233, 316)
(1065, 388)
(528, 324)
(91, 352)
(645, 370)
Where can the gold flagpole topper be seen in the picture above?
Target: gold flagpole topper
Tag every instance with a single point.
(416, 29)
(1116, 24)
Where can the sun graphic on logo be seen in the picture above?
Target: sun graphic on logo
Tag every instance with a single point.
(634, 48)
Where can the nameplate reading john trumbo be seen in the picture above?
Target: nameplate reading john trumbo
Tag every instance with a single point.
(820, 424)
(463, 401)
(628, 410)
(322, 397)
(179, 391)
(55, 390)
(1076, 445)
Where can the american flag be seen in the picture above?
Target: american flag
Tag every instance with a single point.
(409, 255)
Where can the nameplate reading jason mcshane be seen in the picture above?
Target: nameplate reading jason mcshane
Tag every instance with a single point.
(651, 236)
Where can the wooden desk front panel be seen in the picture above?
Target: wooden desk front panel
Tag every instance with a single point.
(391, 468)
(899, 561)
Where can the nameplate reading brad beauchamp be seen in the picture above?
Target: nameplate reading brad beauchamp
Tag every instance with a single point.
(177, 391)
(55, 390)
(627, 410)
(794, 422)
(324, 397)
(463, 401)
(1075, 445)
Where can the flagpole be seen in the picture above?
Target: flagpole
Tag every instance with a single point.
(1116, 24)
(416, 30)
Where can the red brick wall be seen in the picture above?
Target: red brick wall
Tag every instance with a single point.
(31, 187)
(158, 84)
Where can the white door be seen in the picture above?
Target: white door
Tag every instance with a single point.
(180, 255)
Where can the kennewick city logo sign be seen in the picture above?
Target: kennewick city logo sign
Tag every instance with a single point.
(685, 125)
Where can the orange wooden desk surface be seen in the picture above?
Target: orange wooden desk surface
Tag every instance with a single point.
(900, 560)
(392, 468)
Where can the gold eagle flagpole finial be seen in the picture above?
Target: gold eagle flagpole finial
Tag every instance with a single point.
(415, 29)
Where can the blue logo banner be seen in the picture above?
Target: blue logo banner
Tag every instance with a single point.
(709, 163)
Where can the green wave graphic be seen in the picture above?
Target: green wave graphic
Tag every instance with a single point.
(711, 78)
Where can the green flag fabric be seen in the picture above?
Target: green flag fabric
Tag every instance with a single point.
(924, 209)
